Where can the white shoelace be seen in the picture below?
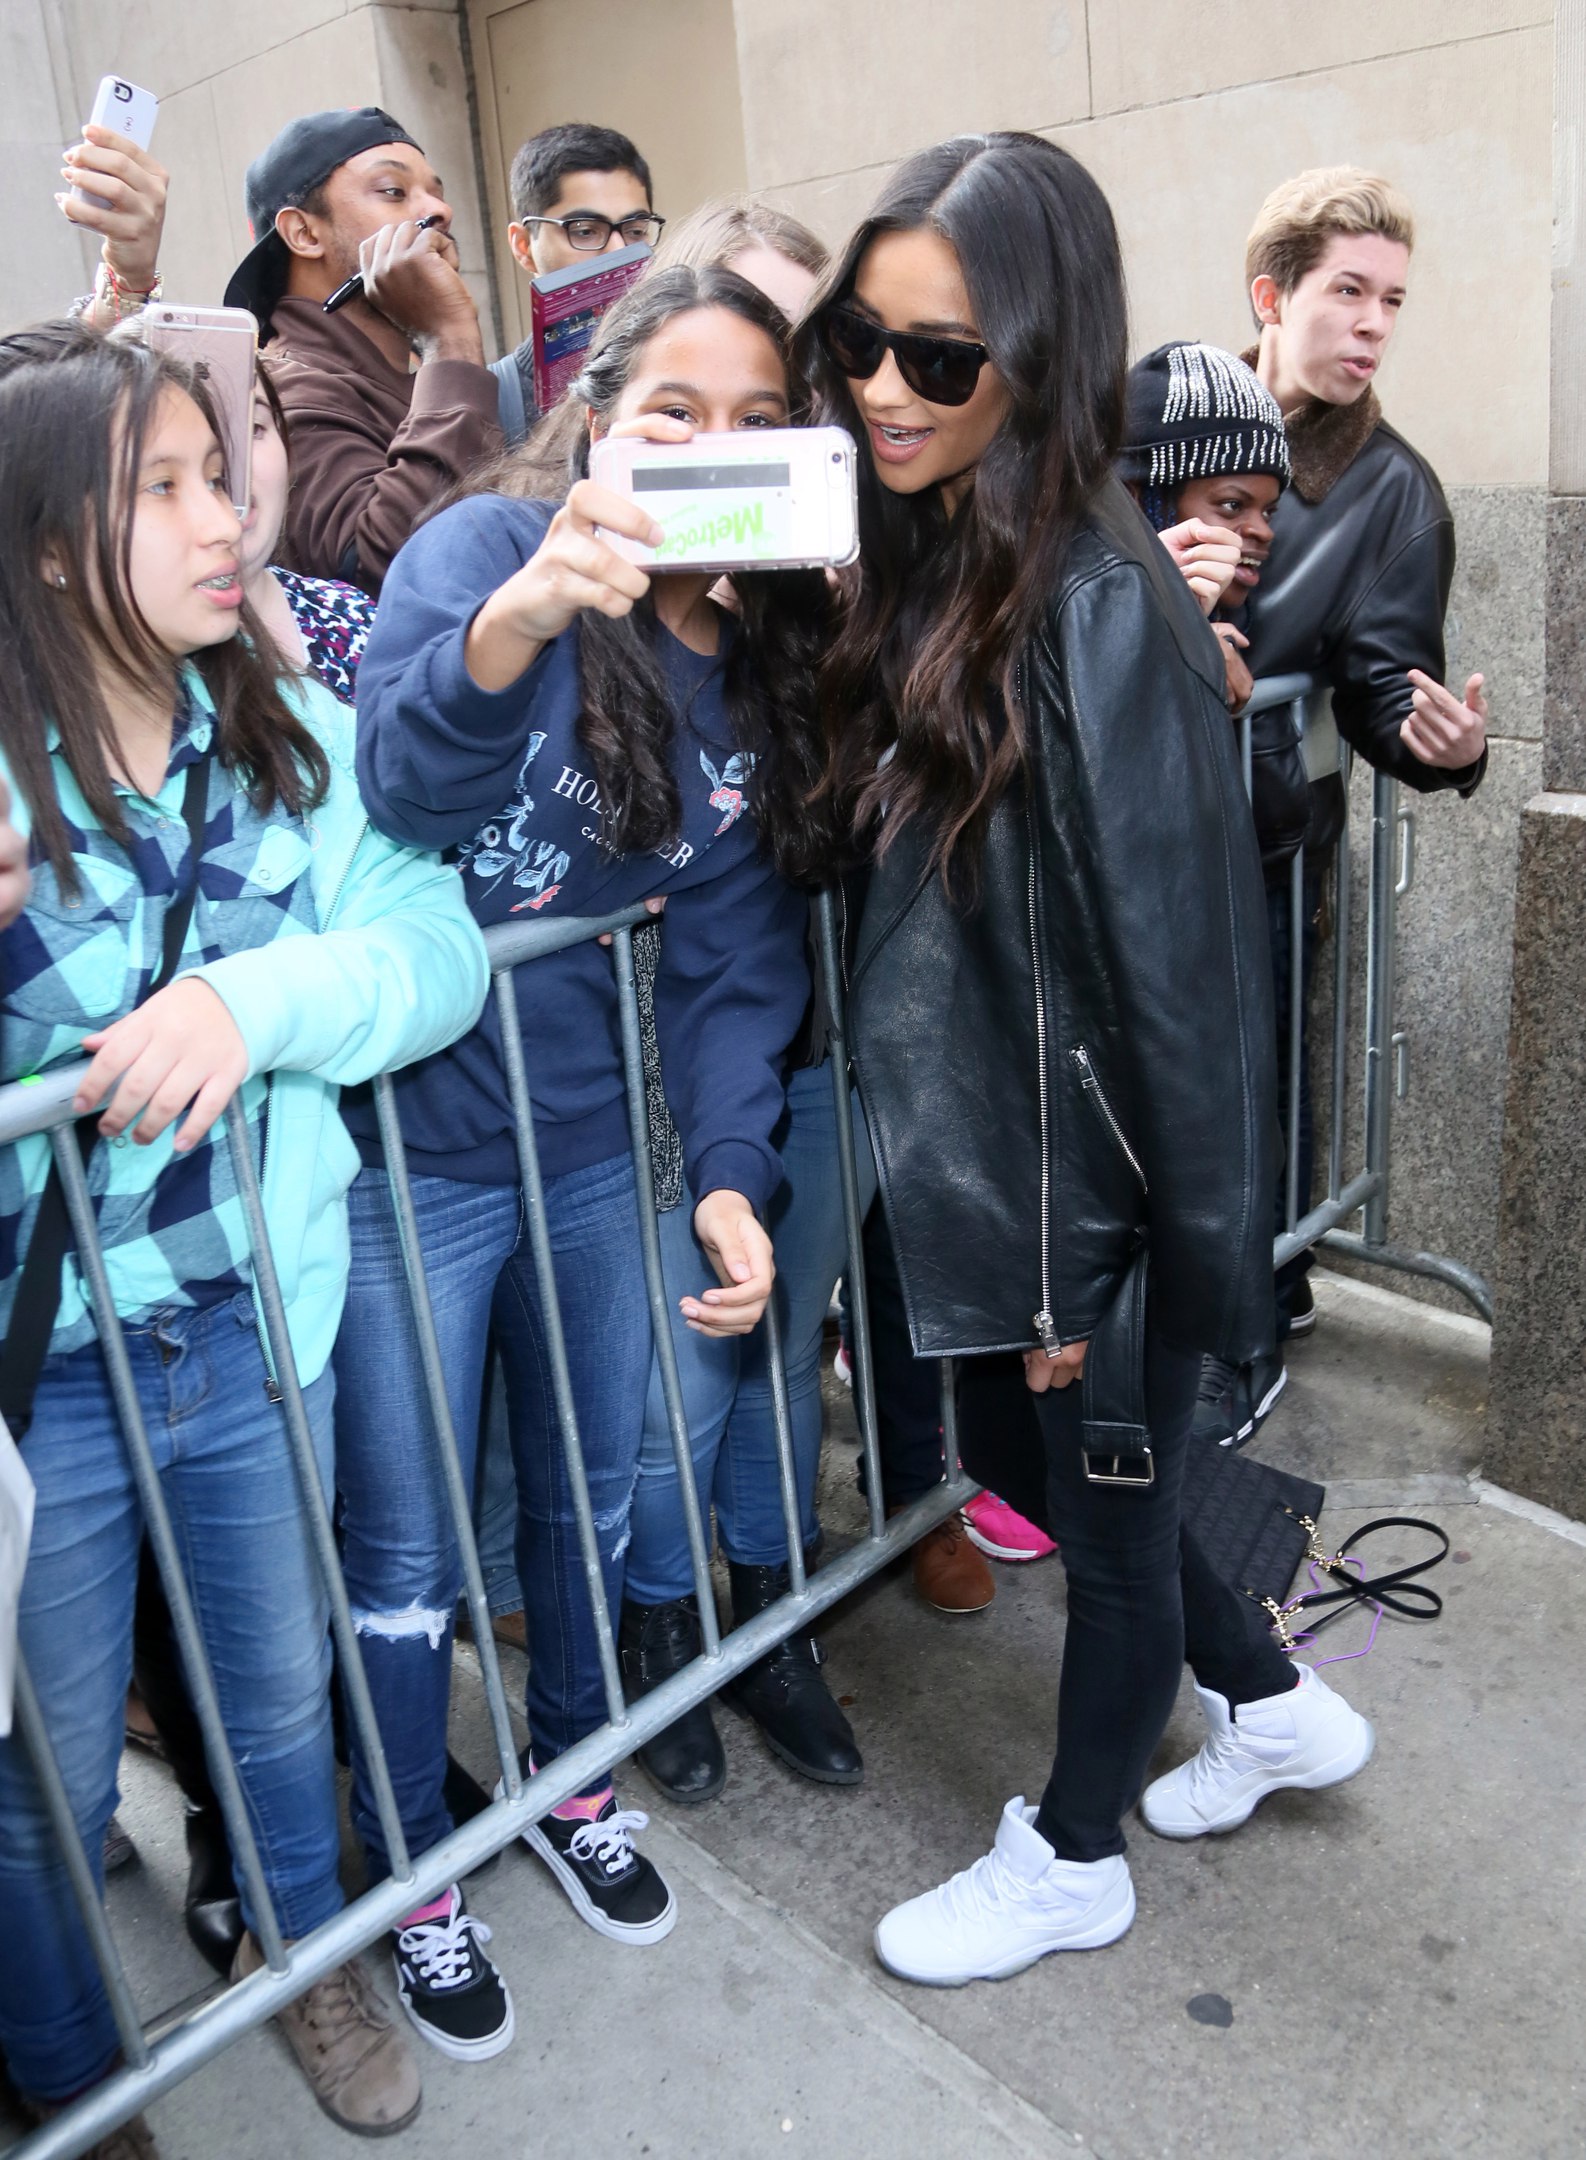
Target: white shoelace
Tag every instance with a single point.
(988, 1886)
(610, 1843)
(441, 1952)
(1221, 1755)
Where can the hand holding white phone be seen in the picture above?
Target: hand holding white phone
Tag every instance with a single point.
(125, 110)
(754, 499)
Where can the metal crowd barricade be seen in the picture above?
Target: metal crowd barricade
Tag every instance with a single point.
(172, 2049)
(1386, 1068)
(169, 2050)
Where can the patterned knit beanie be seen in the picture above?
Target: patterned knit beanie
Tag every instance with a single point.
(1194, 410)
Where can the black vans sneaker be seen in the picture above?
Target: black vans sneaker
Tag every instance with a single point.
(614, 1888)
(449, 1988)
(1235, 1400)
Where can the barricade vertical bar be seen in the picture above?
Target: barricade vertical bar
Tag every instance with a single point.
(1291, 1185)
(1343, 897)
(58, 1806)
(316, 1513)
(955, 1468)
(445, 1432)
(162, 1542)
(848, 1172)
(1379, 999)
(556, 1342)
(782, 1422)
(655, 1285)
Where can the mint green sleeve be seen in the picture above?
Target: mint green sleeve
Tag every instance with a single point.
(399, 970)
(400, 974)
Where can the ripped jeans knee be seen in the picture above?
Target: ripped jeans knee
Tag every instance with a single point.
(408, 1623)
(614, 1528)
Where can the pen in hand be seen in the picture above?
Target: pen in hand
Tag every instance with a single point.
(352, 288)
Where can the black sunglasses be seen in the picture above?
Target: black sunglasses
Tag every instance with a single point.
(943, 371)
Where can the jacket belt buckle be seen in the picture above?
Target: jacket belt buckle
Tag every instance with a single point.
(1103, 1468)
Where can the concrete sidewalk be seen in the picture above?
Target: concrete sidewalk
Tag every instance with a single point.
(1394, 1967)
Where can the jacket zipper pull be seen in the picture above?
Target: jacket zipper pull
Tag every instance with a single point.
(1046, 1330)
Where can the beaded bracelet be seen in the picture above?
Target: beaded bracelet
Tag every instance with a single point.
(117, 297)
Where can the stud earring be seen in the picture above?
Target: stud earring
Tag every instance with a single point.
(60, 580)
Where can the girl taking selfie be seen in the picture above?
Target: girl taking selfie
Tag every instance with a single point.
(1060, 998)
(726, 1382)
(586, 740)
(210, 913)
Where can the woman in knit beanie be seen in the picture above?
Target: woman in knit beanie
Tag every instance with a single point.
(1206, 458)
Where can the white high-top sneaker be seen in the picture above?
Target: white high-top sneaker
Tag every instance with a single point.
(1010, 1908)
(1307, 1737)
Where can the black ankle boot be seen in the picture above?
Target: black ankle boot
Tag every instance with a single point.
(687, 1761)
(784, 1692)
(211, 1908)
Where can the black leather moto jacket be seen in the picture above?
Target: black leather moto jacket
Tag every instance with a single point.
(1355, 590)
(1070, 1084)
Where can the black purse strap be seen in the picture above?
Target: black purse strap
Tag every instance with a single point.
(38, 1294)
(1397, 1591)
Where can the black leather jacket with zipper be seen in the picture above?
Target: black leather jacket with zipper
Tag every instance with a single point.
(1070, 1083)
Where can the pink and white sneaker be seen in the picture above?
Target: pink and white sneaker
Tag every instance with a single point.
(999, 1531)
(843, 1366)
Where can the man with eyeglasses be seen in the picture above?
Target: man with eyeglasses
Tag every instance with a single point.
(577, 192)
(387, 398)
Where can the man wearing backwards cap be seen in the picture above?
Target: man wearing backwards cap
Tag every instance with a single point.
(389, 400)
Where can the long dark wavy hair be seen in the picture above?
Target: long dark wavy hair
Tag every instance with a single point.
(785, 618)
(941, 608)
(75, 411)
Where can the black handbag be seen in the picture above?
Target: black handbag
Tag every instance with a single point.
(1255, 1524)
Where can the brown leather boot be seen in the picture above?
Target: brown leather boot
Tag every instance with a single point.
(949, 1573)
(357, 2065)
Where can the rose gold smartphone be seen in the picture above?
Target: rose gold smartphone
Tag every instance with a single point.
(221, 344)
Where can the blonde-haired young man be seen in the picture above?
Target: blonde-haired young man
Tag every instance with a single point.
(1358, 580)
(1355, 587)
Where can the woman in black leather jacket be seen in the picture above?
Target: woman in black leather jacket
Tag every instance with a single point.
(1061, 1008)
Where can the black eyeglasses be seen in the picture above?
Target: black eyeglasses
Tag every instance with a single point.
(592, 235)
(943, 371)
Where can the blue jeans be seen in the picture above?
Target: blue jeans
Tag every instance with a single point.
(496, 1500)
(726, 1384)
(400, 1553)
(220, 1447)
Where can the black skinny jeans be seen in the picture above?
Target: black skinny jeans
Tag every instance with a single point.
(908, 1389)
(1141, 1598)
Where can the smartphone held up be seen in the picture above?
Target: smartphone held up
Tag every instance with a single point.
(220, 345)
(756, 499)
(125, 110)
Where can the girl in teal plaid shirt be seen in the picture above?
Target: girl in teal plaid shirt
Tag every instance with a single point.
(161, 771)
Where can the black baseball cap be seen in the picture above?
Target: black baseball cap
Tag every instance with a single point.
(305, 153)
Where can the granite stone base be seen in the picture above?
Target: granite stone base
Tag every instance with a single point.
(1495, 625)
(1566, 643)
(1537, 1415)
(1455, 926)
(1455, 936)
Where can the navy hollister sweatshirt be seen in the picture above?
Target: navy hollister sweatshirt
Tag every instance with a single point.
(501, 779)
